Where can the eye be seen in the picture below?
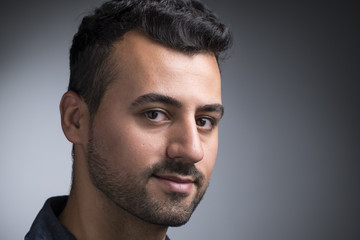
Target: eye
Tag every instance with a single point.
(205, 123)
(156, 115)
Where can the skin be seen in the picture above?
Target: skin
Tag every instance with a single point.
(130, 134)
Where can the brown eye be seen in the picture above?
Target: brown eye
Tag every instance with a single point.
(156, 115)
(205, 123)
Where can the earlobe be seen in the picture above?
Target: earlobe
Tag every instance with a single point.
(74, 117)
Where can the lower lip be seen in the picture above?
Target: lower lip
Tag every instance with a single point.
(178, 187)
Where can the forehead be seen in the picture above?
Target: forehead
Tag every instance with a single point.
(144, 65)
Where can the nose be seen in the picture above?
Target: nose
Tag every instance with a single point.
(184, 142)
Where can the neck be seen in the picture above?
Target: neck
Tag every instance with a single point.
(90, 215)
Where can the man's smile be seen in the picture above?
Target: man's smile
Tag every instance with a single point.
(176, 183)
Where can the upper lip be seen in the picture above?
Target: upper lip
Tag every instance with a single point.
(177, 178)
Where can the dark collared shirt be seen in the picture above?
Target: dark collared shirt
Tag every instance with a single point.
(46, 225)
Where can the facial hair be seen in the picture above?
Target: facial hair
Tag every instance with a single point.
(129, 191)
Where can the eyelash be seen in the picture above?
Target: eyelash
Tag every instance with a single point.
(146, 114)
(212, 120)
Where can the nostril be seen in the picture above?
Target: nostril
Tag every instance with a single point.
(188, 152)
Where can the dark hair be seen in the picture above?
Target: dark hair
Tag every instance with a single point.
(184, 25)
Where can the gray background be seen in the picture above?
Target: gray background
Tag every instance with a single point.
(288, 164)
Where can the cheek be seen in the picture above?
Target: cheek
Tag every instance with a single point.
(127, 146)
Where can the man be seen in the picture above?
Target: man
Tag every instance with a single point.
(142, 112)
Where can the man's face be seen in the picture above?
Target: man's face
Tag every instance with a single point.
(153, 141)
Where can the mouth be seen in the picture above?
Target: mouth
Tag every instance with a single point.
(176, 183)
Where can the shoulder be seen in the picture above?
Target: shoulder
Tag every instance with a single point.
(46, 225)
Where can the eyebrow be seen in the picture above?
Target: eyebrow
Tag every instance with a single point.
(155, 97)
(160, 98)
(217, 108)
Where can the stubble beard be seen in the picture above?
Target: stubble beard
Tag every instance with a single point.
(129, 192)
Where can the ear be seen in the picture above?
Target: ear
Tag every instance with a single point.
(74, 117)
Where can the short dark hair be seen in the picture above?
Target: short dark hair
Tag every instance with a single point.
(185, 25)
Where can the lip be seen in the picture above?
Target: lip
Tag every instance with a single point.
(176, 183)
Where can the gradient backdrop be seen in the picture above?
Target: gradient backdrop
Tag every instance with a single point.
(289, 159)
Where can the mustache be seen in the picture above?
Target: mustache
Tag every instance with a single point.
(177, 167)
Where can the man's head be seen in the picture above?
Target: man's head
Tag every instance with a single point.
(143, 106)
(185, 25)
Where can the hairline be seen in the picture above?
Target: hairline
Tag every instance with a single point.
(113, 67)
